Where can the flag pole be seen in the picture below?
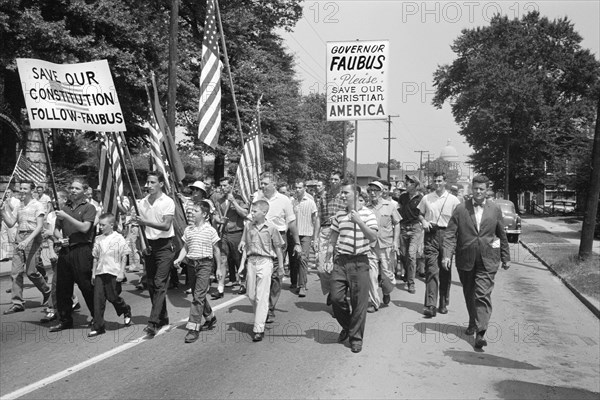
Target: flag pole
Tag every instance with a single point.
(11, 176)
(50, 172)
(134, 202)
(130, 160)
(226, 57)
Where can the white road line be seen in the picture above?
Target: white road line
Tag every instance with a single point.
(94, 360)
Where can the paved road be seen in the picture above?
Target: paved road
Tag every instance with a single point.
(543, 345)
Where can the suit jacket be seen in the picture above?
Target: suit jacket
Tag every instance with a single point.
(463, 238)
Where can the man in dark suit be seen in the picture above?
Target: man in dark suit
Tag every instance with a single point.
(476, 232)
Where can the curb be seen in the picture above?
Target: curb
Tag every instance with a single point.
(581, 297)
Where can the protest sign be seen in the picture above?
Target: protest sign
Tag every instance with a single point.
(357, 80)
(70, 96)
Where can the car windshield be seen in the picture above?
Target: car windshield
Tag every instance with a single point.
(507, 208)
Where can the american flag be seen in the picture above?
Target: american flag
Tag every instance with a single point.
(173, 157)
(210, 81)
(251, 162)
(156, 138)
(108, 189)
(28, 171)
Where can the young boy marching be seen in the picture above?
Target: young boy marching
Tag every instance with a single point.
(200, 249)
(110, 257)
(261, 243)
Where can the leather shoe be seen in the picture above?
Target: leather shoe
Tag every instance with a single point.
(386, 299)
(470, 331)
(150, 330)
(258, 336)
(127, 319)
(328, 301)
(443, 310)
(270, 317)
(60, 327)
(480, 341)
(371, 309)
(14, 309)
(411, 290)
(209, 324)
(356, 347)
(430, 312)
(343, 336)
(76, 306)
(50, 316)
(216, 295)
(95, 333)
(242, 290)
(191, 336)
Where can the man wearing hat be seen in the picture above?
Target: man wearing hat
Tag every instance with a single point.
(388, 238)
(411, 230)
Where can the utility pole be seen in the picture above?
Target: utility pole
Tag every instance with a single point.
(389, 139)
(421, 163)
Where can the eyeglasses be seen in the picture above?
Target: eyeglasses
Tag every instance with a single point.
(373, 190)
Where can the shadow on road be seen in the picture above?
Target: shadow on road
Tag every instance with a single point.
(512, 389)
(487, 360)
(312, 306)
(410, 305)
(245, 308)
(448, 332)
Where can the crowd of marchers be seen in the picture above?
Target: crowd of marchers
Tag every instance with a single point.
(361, 241)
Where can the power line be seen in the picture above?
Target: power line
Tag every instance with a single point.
(314, 30)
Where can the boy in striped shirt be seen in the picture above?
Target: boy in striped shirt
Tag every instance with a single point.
(352, 232)
(200, 249)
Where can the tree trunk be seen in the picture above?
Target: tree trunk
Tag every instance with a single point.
(591, 209)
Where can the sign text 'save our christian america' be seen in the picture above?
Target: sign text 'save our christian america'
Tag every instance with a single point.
(357, 80)
(70, 96)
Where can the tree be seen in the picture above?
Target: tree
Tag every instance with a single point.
(522, 91)
(133, 36)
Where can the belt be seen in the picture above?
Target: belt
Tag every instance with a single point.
(325, 225)
(160, 240)
(416, 221)
(199, 260)
(25, 231)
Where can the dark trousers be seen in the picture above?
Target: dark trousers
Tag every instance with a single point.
(200, 306)
(106, 288)
(276, 278)
(229, 243)
(350, 275)
(158, 269)
(299, 262)
(411, 235)
(436, 277)
(74, 266)
(477, 288)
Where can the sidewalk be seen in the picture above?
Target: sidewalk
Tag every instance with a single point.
(555, 241)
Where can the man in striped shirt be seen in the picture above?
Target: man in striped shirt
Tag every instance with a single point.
(352, 232)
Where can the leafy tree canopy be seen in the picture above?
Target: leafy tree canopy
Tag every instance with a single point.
(526, 84)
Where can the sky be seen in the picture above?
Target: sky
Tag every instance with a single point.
(420, 35)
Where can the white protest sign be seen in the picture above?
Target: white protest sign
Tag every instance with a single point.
(357, 80)
(70, 96)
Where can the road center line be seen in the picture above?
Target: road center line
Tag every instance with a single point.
(94, 360)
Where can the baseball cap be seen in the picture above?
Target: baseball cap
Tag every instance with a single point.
(412, 178)
(379, 185)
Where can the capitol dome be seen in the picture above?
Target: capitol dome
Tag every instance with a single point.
(449, 152)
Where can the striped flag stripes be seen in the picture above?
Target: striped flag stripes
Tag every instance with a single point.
(155, 138)
(251, 162)
(26, 170)
(116, 165)
(210, 81)
(108, 190)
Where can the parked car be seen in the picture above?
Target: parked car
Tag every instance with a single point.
(564, 206)
(512, 220)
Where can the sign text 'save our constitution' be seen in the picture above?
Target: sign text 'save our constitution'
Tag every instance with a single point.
(70, 96)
